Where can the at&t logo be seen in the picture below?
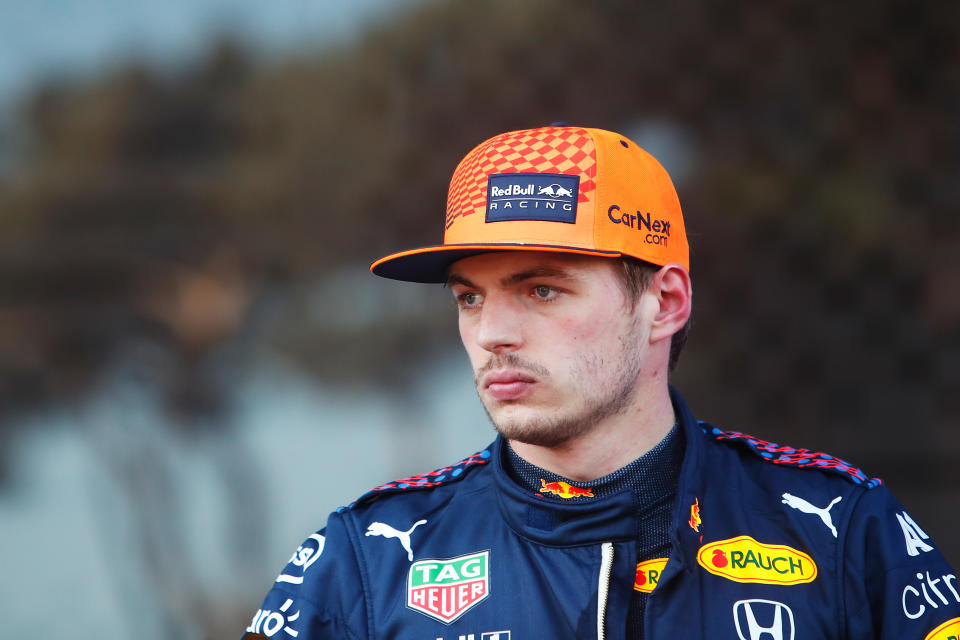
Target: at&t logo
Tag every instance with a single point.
(305, 555)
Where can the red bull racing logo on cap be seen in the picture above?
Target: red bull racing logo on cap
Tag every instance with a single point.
(543, 151)
(549, 197)
(446, 589)
(565, 490)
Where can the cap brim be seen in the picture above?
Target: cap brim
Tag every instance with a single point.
(431, 264)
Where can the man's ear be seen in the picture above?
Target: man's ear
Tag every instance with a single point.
(671, 288)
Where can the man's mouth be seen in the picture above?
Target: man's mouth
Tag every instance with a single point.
(507, 385)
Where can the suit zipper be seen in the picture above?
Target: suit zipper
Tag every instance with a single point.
(603, 587)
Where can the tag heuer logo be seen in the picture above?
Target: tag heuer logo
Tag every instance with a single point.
(446, 589)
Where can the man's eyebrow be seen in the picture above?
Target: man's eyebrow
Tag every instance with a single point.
(454, 278)
(520, 276)
(538, 272)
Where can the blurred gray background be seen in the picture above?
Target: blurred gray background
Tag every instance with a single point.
(196, 367)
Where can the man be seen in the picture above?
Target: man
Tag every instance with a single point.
(603, 509)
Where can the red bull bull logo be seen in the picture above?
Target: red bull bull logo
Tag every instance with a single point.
(695, 520)
(648, 574)
(565, 490)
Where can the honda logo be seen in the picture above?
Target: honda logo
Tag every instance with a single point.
(763, 620)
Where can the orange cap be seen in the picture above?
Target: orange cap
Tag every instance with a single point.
(558, 189)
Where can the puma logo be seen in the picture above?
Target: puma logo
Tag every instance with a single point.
(802, 505)
(385, 530)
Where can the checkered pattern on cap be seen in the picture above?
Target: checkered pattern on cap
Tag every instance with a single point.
(547, 150)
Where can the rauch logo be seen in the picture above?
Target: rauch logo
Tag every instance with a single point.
(949, 630)
(648, 575)
(743, 559)
(446, 589)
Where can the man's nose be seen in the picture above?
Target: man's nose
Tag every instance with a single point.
(499, 328)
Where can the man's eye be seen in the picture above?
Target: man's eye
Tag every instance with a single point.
(470, 299)
(544, 292)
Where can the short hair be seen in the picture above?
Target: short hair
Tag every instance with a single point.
(636, 276)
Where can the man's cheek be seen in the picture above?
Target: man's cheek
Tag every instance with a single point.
(584, 332)
(478, 358)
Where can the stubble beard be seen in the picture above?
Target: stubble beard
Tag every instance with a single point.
(566, 425)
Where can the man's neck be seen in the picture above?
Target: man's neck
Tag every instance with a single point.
(612, 444)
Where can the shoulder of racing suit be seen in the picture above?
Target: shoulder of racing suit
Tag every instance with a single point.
(436, 478)
(891, 580)
(791, 456)
(325, 590)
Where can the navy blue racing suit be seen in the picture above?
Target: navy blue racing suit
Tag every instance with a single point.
(768, 543)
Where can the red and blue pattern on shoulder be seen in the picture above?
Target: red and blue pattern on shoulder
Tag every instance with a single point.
(793, 457)
(435, 478)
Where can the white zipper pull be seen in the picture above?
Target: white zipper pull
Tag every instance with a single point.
(603, 587)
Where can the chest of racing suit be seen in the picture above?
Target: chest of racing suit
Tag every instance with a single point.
(768, 543)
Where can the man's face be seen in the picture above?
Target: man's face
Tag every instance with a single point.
(555, 345)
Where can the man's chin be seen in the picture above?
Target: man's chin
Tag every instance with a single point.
(534, 427)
